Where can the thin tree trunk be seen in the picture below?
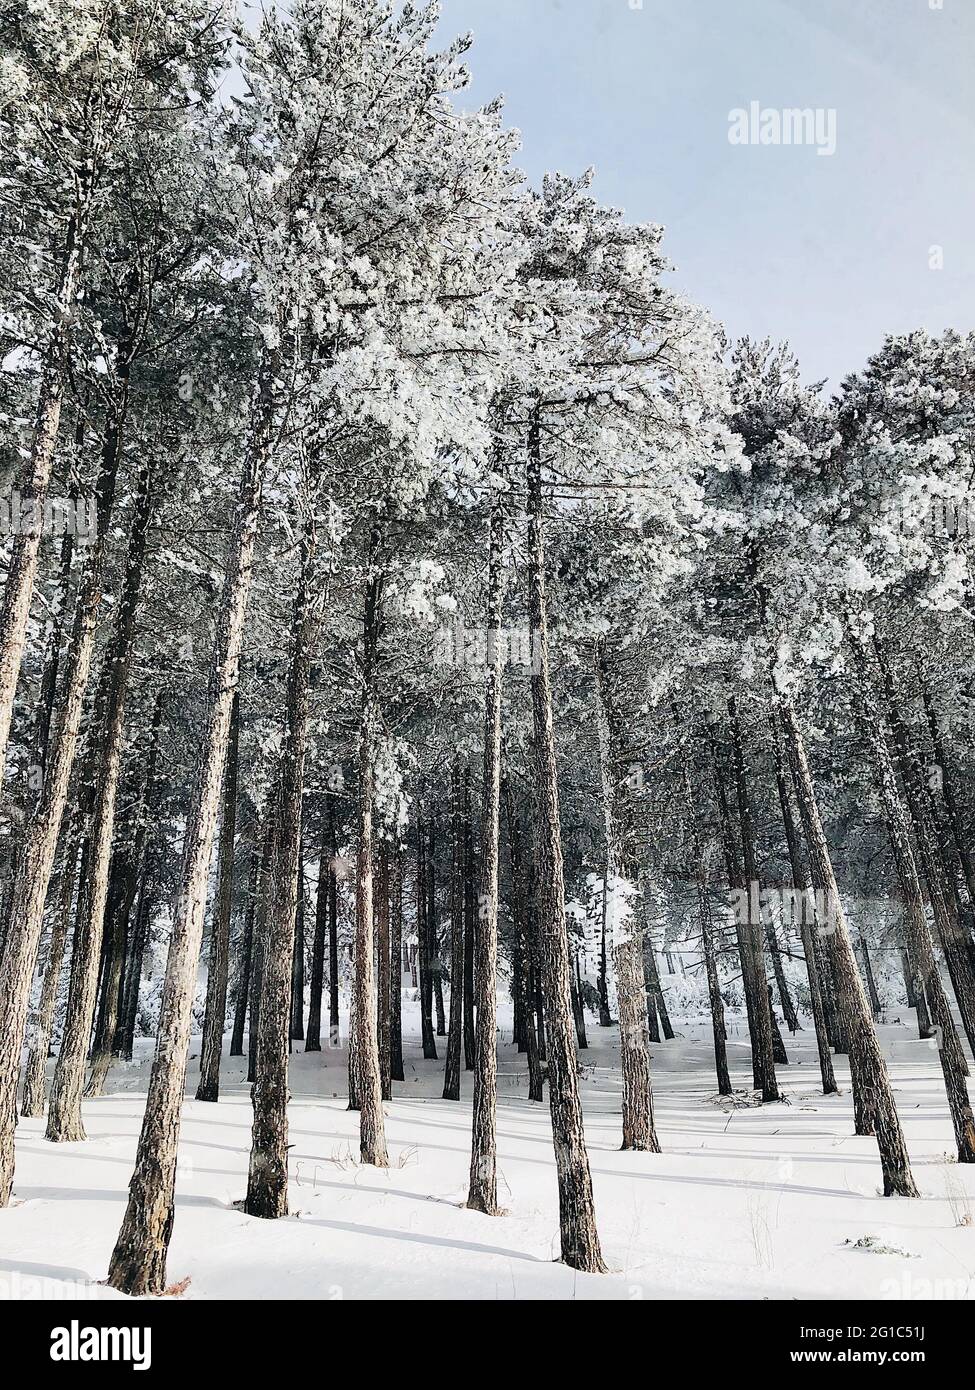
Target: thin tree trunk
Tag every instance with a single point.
(267, 1177)
(874, 727)
(706, 923)
(119, 915)
(868, 1069)
(577, 1218)
(451, 1085)
(333, 934)
(808, 929)
(297, 1029)
(313, 1037)
(382, 969)
(32, 1101)
(25, 544)
(482, 1193)
(396, 967)
(470, 927)
(216, 997)
(245, 948)
(763, 1040)
(36, 860)
(138, 1263)
(372, 1139)
(423, 944)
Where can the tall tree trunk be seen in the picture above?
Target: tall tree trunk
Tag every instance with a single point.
(297, 1029)
(138, 1263)
(32, 1100)
(605, 1017)
(267, 1177)
(873, 723)
(372, 1139)
(706, 923)
(868, 1070)
(22, 564)
(396, 967)
(382, 969)
(216, 997)
(423, 910)
(245, 946)
(64, 1120)
(577, 1217)
(624, 921)
(36, 860)
(808, 929)
(119, 913)
(482, 1193)
(763, 1039)
(333, 934)
(313, 1037)
(433, 931)
(133, 968)
(451, 1085)
(470, 927)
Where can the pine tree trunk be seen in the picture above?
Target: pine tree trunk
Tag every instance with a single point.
(433, 931)
(577, 1218)
(333, 935)
(138, 1263)
(64, 1121)
(297, 1029)
(36, 860)
(313, 1037)
(267, 1177)
(482, 1193)
(423, 944)
(396, 968)
(372, 1139)
(451, 1085)
(624, 921)
(133, 967)
(873, 723)
(245, 947)
(216, 996)
(382, 970)
(706, 922)
(119, 913)
(32, 1100)
(808, 930)
(868, 1070)
(470, 928)
(763, 1037)
(25, 543)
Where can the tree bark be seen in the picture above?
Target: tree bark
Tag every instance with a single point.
(372, 1139)
(577, 1219)
(396, 967)
(482, 1193)
(216, 997)
(32, 1098)
(451, 1085)
(138, 1263)
(267, 1177)
(763, 1037)
(36, 860)
(808, 929)
(868, 1070)
(25, 544)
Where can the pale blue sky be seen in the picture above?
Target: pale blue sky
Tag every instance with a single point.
(829, 252)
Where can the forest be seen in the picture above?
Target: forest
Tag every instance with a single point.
(431, 644)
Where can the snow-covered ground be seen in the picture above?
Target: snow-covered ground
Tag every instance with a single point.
(766, 1202)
